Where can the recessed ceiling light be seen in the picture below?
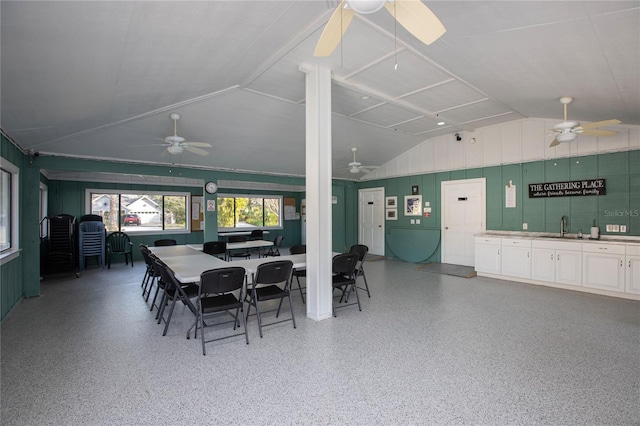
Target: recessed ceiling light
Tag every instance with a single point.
(365, 97)
(441, 123)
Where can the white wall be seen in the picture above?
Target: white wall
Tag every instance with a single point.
(517, 141)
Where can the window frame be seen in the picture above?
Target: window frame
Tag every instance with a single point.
(263, 196)
(89, 191)
(13, 250)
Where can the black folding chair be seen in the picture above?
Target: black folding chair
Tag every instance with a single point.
(344, 278)
(299, 273)
(216, 248)
(216, 298)
(174, 291)
(244, 253)
(270, 282)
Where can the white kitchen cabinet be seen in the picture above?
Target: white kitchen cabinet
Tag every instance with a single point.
(568, 267)
(487, 256)
(604, 266)
(632, 266)
(543, 264)
(516, 257)
(557, 261)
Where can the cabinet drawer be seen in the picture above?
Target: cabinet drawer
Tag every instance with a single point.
(633, 250)
(516, 242)
(603, 248)
(575, 245)
(494, 241)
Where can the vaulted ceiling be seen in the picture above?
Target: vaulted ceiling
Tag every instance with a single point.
(100, 79)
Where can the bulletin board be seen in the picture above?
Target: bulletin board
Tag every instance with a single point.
(197, 213)
(290, 212)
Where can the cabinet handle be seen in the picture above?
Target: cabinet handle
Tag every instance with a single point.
(558, 257)
(621, 263)
(602, 248)
(498, 252)
(551, 256)
(527, 254)
(629, 264)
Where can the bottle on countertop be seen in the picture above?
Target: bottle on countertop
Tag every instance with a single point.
(580, 234)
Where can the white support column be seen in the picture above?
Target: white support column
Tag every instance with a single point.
(318, 190)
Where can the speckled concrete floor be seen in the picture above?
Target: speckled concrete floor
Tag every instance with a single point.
(426, 349)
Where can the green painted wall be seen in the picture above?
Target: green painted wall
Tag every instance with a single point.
(620, 206)
(19, 279)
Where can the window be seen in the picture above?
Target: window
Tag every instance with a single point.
(249, 211)
(8, 210)
(148, 212)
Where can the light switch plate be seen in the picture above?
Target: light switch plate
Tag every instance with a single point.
(623, 228)
(609, 228)
(417, 221)
(616, 228)
(525, 226)
(413, 221)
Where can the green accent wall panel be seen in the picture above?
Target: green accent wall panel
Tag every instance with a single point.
(457, 175)
(633, 214)
(495, 189)
(532, 208)
(512, 217)
(473, 173)
(615, 168)
(556, 207)
(583, 209)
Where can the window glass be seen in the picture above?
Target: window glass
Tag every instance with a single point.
(236, 212)
(144, 212)
(5, 210)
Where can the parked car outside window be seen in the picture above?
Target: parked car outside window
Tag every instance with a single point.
(131, 219)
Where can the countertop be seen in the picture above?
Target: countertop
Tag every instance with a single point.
(556, 237)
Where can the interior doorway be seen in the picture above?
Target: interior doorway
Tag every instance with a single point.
(371, 219)
(463, 215)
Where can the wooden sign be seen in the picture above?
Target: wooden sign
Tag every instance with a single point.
(574, 188)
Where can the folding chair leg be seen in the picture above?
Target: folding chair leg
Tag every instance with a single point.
(366, 285)
(300, 289)
(166, 326)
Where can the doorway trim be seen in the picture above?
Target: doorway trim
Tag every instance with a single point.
(483, 208)
(381, 215)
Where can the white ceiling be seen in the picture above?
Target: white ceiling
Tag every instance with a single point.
(99, 79)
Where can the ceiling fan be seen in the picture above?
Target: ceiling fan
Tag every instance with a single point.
(568, 131)
(417, 18)
(177, 144)
(356, 167)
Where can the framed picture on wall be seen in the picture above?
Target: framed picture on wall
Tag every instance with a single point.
(392, 214)
(415, 190)
(391, 202)
(413, 205)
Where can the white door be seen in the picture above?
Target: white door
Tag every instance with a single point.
(371, 219)
(463, 215)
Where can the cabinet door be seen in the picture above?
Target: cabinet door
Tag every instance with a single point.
(569, 267)
(516, 261)
(603, 271)
(632, 281)
(543, 262)
(488, 258)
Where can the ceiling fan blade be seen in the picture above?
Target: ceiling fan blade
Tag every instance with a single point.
(598, 132)
(363, 170)
(417, 18)
(554, 143)
(334, 30)
(200, 144)
(603, 123)
(196, 150)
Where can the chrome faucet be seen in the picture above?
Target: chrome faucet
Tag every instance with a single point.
(563, 226)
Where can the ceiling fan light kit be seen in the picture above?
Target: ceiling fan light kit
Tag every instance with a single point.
(177, 144)
(568, 131)
(413, 15)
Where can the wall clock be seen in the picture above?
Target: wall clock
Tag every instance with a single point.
(211, 187)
